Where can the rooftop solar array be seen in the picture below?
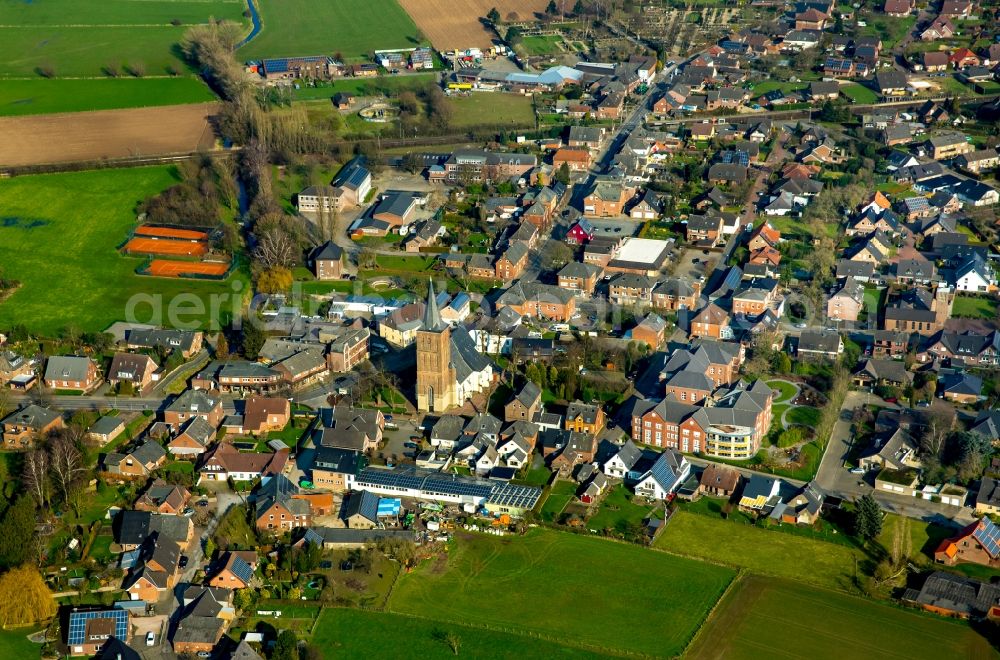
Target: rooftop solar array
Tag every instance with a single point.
(78, 624)
(988, 535)
(242, 570)
(437, 483)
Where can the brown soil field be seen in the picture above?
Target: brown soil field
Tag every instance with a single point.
(170, 232)
(167, 268)
(83, 136)
(456, 24)
(141, 245)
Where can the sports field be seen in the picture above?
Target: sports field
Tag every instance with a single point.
(353, 28)
(768, 552)
(504, 111)
(59, 235)
(350, 633)
(168, 268)
(142, 245)
(568, 588)
(36, 96)
(769, 618)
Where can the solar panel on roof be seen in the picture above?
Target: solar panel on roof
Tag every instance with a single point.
(988, 535)
(242, 570)
(78, 624)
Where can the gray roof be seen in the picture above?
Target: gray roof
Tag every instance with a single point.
(432, 316)
(105, 425)
(196, 401)
(67, 367)
(32, 416)
(465, 357)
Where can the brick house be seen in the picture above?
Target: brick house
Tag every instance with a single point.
(976, 544)
(651, 331)
(328, 261)
(334, 468)
(524, 405)
(512, 262)
(539, 300)
(576, 160)
(676, 293)
(194, 403)
(21, 427)
(263, 414)
(140, 462)
(712, 322)
(607, 198)
(348, 350)
(165, 498)
(578, 277)
(234, 570)
(135, 369)
(188, 342)
(194, 438)
(71, 372)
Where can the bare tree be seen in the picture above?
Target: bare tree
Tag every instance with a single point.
(36, 476)
(66, 463)
(276, 248)
(939, 425)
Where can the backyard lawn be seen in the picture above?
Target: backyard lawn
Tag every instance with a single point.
(859, 94)
(974, 307)
(501, 110)
(803, 415)
(14, 643)
(539, 584)
(541, 44)
(561, 494)
(763, 551)
(787, 390)
(617, 510)
(353, 28)
(59, 235)
(821, 625)
(381, 85)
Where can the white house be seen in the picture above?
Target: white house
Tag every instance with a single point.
(619, 465)
(667, 474)
(974, 276)
(487, 460)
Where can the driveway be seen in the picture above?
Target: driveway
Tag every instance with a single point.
(158, 626)
(834, 477)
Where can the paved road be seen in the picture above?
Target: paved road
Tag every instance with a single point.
(834, 478)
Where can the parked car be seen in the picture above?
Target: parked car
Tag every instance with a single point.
(151, 638)
(183, 561)
(857, 470)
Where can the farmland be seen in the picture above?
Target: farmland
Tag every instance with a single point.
(89, 136)
(51, 41)
(42, 96)
(500, 110)
(451, 24)
(497, 581)
(759, 550)
(73, 274)
(824, 624)
(348, 633)
(306, 27)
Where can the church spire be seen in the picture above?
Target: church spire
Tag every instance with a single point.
(432, 317)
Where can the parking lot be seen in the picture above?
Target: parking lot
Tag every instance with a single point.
(693, 264)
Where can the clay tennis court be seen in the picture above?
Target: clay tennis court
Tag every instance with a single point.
(86, 136)
(456, 24)
(166, 246)
(169, 232)
(167, 268)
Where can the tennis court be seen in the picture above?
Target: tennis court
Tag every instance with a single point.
(166, 246)
(170, 232)
(168, 268)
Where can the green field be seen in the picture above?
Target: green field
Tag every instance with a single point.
(382, 85)
(14, 643)
(541, 45)
(503, 111)
(346, 633)
(803, 415)
(59, 235)
(759, 550)
(353, 28)
(859, 94)
(618, 510)
(42, 96)
(974, 307)
(762, 617)
(567, 588)
(787, 390)
(561, 494)
(80, 38)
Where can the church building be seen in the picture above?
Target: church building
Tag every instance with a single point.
(449, 368)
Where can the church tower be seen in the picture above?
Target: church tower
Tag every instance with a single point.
(435, 375)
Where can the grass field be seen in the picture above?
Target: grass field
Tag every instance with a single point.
(760, 550)
(618, 510)
(974, 307)
(353, 28)
(803, 415)
(43, 96)
(347, 633)
(561, 494)
(541, 44)
(58, 235)
(859, 93)
(381, 85)
(14, 643)
(762, 617)
(558, 585)
(787, 390)
(500, 110)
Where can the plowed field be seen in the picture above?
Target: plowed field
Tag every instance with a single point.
(451, 24)
(84, 136)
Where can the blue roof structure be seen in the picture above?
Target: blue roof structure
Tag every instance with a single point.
(433, 483)
(242, 570)
(664, 471)
(988, 535)
(389, 506)
(78, 624)
(736, 156)
(551, 76)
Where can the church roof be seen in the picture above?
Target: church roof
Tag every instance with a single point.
(432, 316)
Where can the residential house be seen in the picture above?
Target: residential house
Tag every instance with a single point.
(940, 28)
(106, 429)
(205, 614)
(21, 427)
(224, 461)
(978, 543)
(760, 495)
(892, 450)
(71, 372)
(193, 439)
(138, 463)
(164, 498)
(820, 344)
(15, 371)
(606, 198)
(234, 570)
(960, 386)
(155, 572)
(847, 301)
(523, 406)
(956, 596)
(193, 403)
(263, 414)
(584, 418)
(676, 293)
(575, 160)
(539, 300)
(328, 261)
(882, 371)
(705, 230)
(664, 477)
(188, 342)
(719, 481)
(136, 370)
(579, 277)
(90, 631)
(988, 498)
(651, 331)
(948, 145)
(335, 468)
(711, 322)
